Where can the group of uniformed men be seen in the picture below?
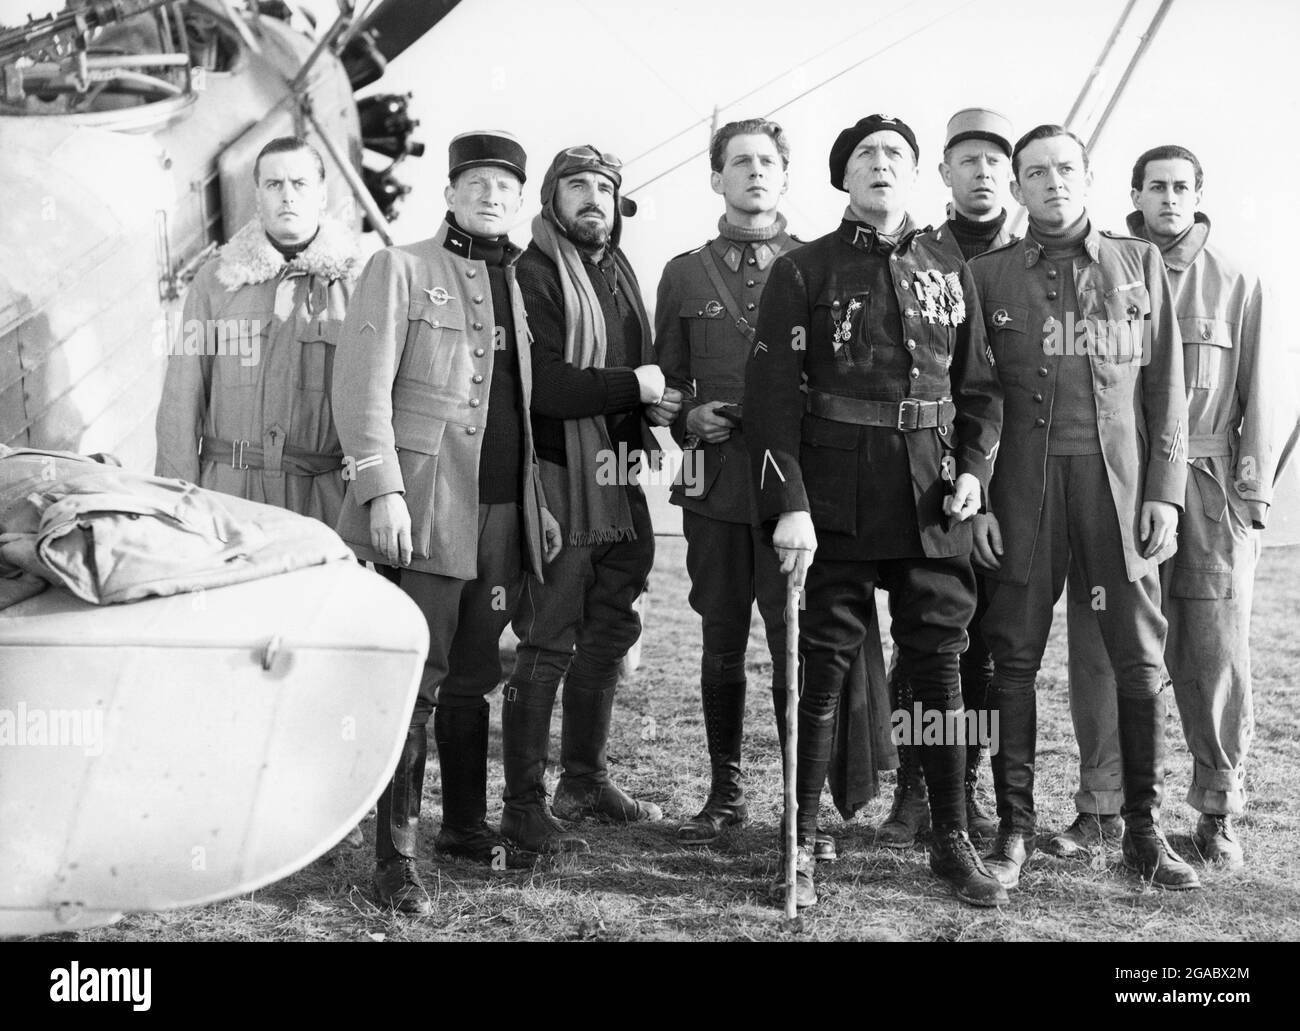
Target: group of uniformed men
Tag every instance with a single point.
(963, 419)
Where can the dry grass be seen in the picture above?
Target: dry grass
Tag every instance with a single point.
(637, 884)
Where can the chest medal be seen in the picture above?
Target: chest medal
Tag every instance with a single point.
(844, 327)
(940, 297)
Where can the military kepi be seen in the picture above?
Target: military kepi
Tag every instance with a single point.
(842, 149)
(980, 123)
(486, 147)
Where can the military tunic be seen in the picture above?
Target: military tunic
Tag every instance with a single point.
(703, 352)
(868, 390)
(1070, 503)
(1240, 412)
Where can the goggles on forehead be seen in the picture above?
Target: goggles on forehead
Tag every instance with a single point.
(590, 153)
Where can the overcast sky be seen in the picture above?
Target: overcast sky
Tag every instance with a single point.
(1222, 79)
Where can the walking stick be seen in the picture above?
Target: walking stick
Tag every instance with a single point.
(794, 589)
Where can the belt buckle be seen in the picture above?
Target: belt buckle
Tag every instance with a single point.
(237, 454)
(916, 418)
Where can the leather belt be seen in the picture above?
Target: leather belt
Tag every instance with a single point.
(241, 454)
(906, 415)
(1209, 445)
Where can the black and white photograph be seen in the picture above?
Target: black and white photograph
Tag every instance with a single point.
(579, 471)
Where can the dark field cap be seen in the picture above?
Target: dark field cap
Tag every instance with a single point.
(486, 147)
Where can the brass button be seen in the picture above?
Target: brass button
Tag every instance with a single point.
(1051, 295)
(1051, 273)
(749, 306)
(749, 282)
(1040, 422)
(474, 402)
(700, 314)
(1133, 312)
(750, 261)
(1042, 372)
(1206, 333)
(478, 299)
(478, 325)
(471, 430)
(916, 373)
(911, 345)
(471, 273)
(436, 323)
(479, 379)
(902, 284)
(478, 352)
(1038, 398)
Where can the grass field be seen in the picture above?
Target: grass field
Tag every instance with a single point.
(637, 884)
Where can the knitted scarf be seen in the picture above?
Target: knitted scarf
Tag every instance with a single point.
(590, 511)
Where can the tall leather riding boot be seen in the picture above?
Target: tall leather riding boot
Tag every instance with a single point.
(1013, 780)
(724, 722)
(396, 880)
(1142, 752)
(526, 818)
(910, 814)
(585, 789)
(1013, 764)
(461, 735)
(816, 737)
(824, 847)
(398, 817)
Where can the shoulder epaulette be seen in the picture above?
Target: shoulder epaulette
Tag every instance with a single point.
(994, 250)
(693, 250)
(1121, 236)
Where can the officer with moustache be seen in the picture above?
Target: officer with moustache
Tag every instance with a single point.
(872, 418)
(976, 166)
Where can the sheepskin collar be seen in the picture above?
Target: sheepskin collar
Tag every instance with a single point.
(249, 257)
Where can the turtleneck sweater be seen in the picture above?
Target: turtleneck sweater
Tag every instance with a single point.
(974, 238)
(500, 464)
